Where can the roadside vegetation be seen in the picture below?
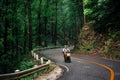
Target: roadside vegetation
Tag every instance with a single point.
(100, 36)
(28, 24)
(95, 44)
(39, 73)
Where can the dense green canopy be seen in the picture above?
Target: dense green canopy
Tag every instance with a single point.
(105, 14)
(26, 24)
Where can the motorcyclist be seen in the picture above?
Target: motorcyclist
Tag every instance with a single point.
(65, 50)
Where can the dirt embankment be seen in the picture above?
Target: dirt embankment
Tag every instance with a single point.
(96, 44)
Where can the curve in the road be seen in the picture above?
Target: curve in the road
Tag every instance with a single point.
(64, 67)
(112, 73)
(112, 76)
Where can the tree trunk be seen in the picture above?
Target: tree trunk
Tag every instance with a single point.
(29, 23)
(55, 35)
(54, 38)
(38, 39)
(46, 20)
(25, 46)
(6, 25)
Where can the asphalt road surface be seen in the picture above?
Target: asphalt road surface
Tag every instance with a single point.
(84, 67)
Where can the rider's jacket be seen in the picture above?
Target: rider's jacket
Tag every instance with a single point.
(65, 50)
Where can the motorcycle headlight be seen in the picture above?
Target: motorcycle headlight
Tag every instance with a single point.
(68, 54)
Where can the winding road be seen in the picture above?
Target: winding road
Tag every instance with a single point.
(84, 67)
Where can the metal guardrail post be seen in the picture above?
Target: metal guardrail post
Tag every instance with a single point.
(48, 62)
(37, 57)
(41, 59)
(34, 55)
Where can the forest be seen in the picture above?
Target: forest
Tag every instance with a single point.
(29, 24)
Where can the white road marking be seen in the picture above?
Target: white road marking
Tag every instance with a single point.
(65, 67)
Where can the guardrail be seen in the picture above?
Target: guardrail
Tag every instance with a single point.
(18, 75)
(45, 63)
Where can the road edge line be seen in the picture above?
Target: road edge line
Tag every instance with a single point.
(112, 74)
(64, 67)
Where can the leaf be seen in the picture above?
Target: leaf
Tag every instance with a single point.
(88, 11)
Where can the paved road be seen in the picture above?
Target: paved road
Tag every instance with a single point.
(84, 67)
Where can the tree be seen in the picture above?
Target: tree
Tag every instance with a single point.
(25, 24)
(100, 12)
(28, 3)
(38, 39)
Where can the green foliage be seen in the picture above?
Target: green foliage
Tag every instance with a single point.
(86, 39)
(87, 2)
(26, 64)
(28, 23)
(105, 13)
(115, 35)
(88, 11)
(1, 44)
(70, 20)
(114, 53)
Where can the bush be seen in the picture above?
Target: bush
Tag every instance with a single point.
(26, 64)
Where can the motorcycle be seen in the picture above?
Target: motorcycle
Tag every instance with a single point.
(67, 57)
